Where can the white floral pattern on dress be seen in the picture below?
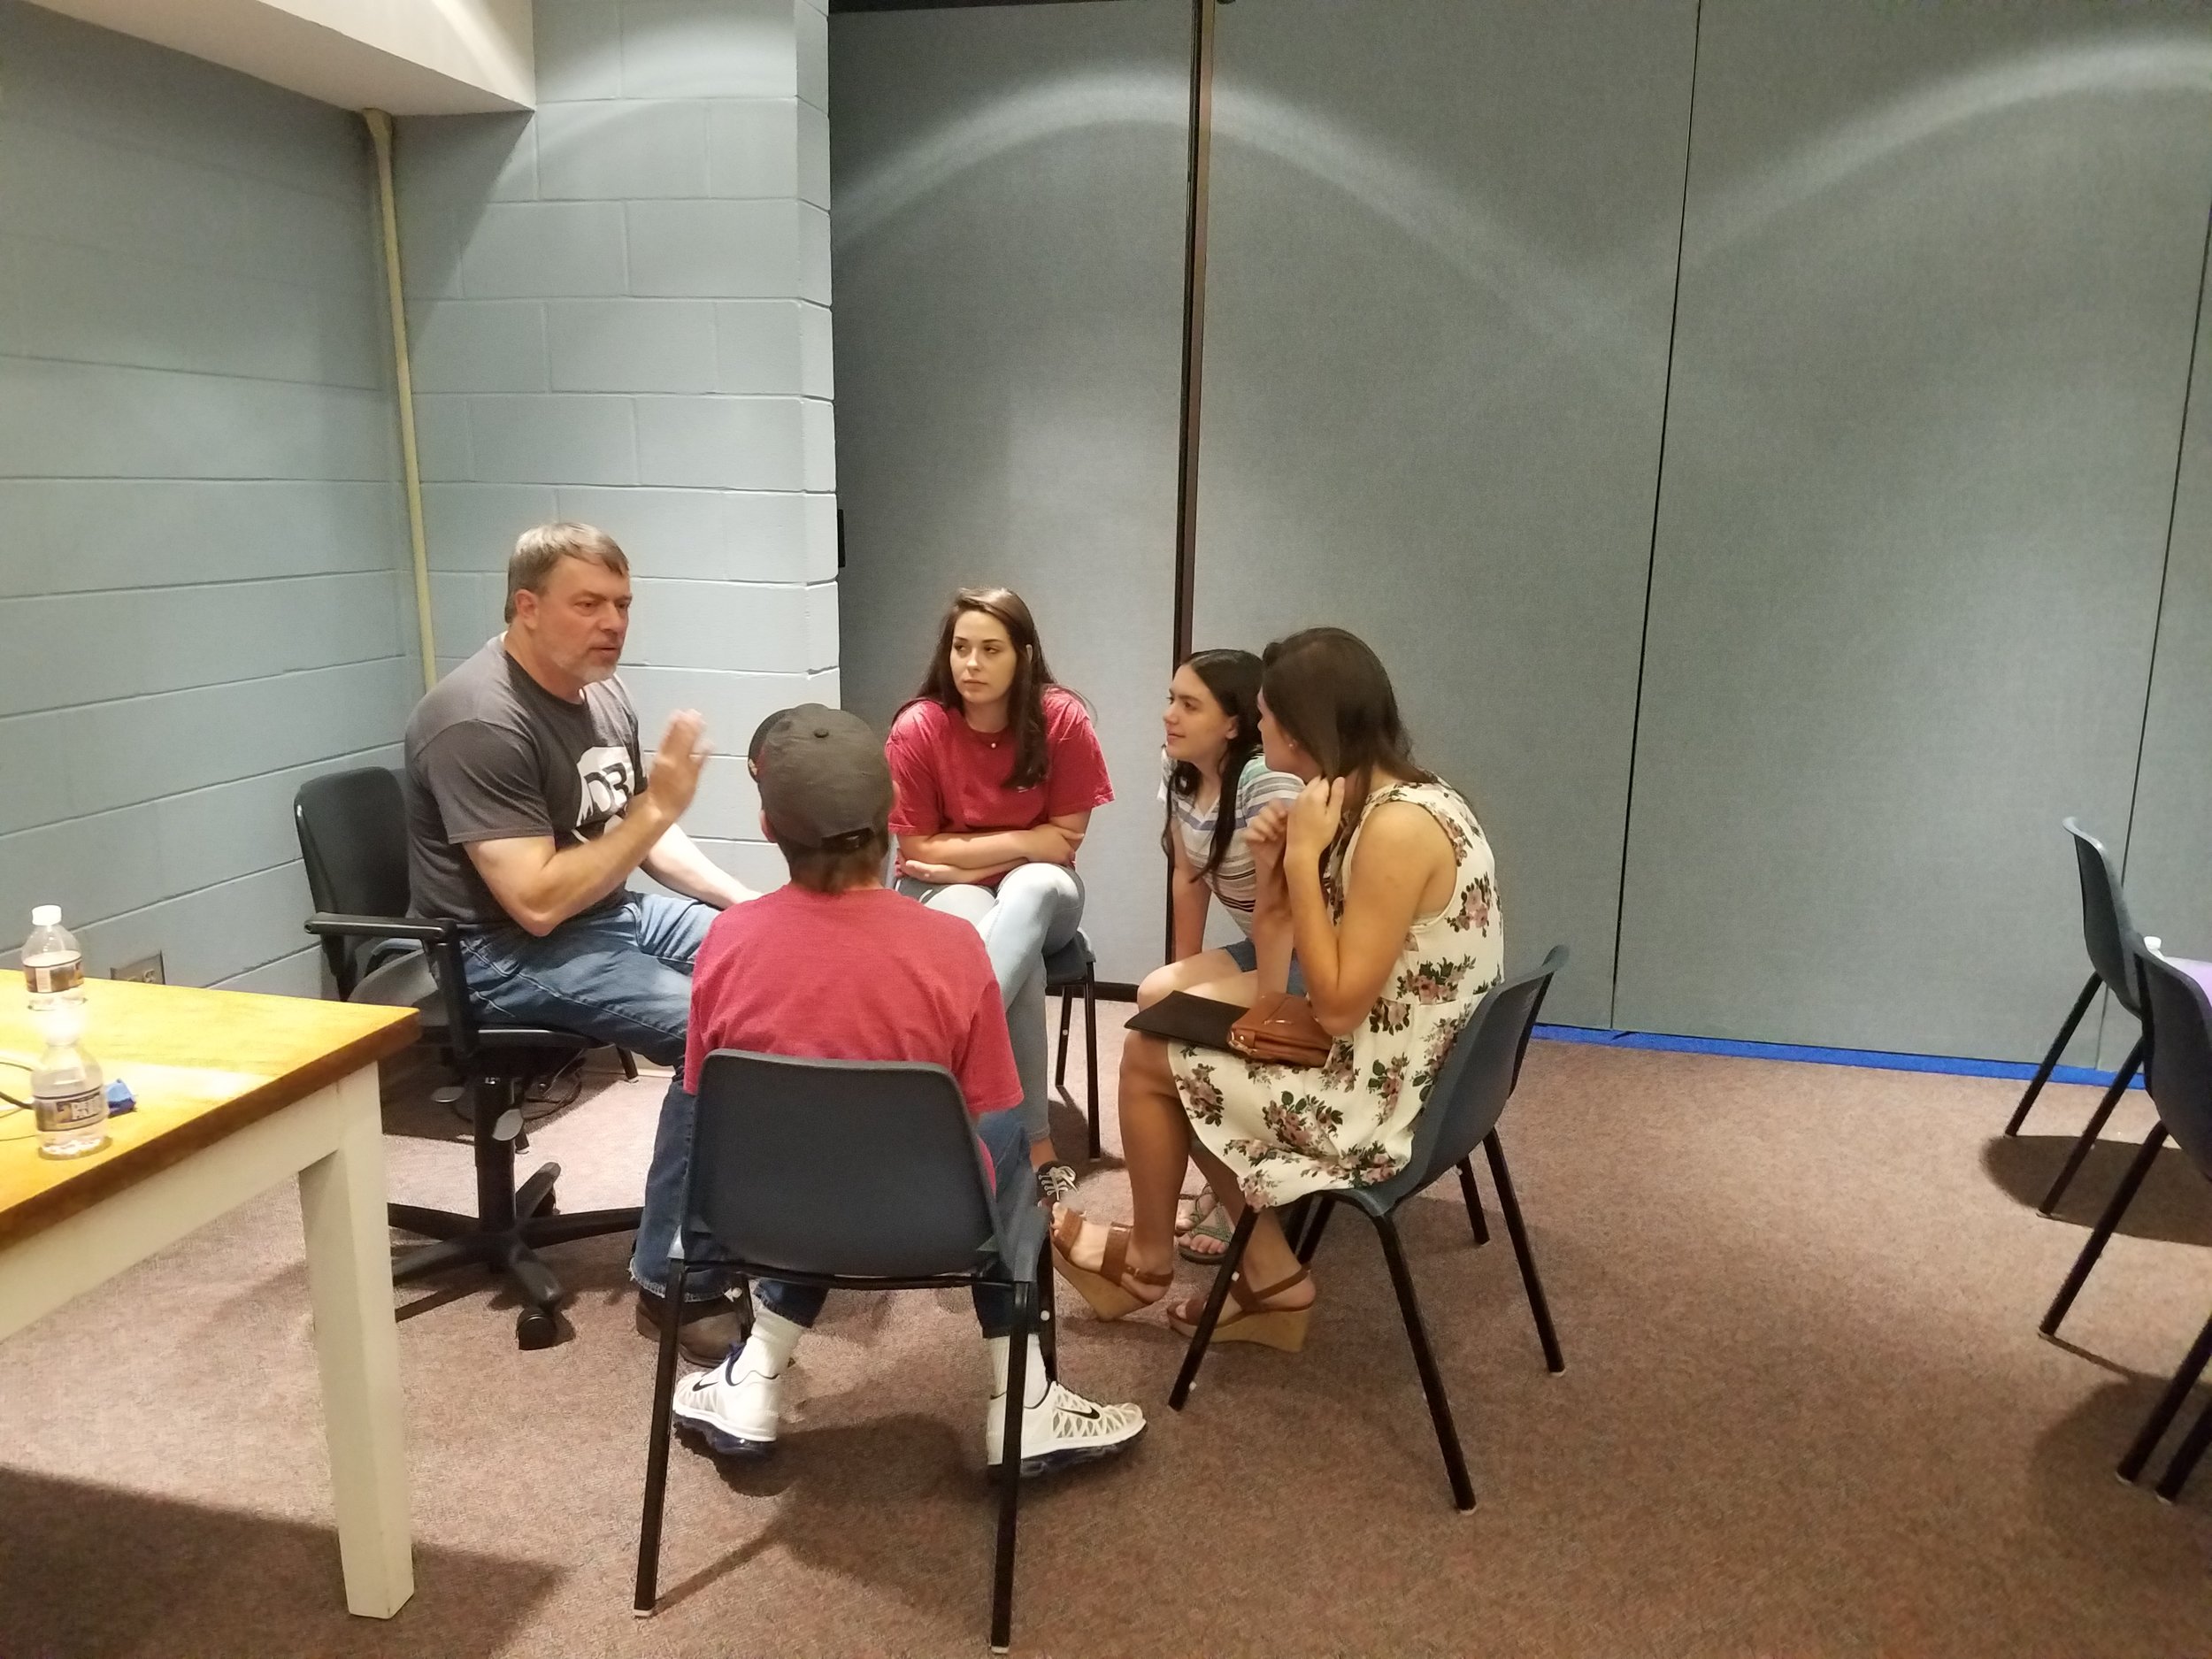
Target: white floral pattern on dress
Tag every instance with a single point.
(1288, 1130)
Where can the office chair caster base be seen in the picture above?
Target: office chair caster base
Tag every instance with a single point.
(536, 1328)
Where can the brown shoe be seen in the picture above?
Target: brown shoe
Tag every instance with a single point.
(708, 1330)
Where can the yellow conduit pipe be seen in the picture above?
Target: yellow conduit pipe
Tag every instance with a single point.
(411, 466)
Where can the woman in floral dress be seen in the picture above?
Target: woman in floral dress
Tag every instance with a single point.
(1392, 902)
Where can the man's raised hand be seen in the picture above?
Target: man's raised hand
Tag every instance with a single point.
(674, 778)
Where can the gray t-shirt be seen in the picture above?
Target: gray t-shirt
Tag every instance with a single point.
(492, 756)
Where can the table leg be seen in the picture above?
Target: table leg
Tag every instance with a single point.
(356, 1346)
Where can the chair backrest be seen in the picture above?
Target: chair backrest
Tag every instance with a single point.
(848, 1167)
(1477, 1077)
(352, 827)
(2106, 929)
(2178, 1070)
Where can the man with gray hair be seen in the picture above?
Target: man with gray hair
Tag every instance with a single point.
(529, 804)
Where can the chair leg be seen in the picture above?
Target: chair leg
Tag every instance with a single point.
(2097, 1120)
(429, 1224)
(2050, 1061)
(2169, 1406)
(1060, 1065)
(436, 1258)
(648, 1531)
(1204, 1334)
(1048, 1315)
(1432, 1381)
(629, 1064)
(495, 1100)
(2121, 1197)
(536, 1192)
(1009, 1466)
(2184, 1464)
(1315, 1225)
(1473, 1198)
(1511, 1206)
(1090, 1050)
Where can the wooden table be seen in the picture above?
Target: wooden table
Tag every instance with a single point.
(235, 1094)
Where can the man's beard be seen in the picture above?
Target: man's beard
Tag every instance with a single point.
(591, 670)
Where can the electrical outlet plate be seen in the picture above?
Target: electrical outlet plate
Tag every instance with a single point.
(145, 971)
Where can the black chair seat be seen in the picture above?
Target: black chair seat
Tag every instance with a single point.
(352, 828)
(2176, 1013)
(854, 1175)
(1472, 1090)
(407, 982)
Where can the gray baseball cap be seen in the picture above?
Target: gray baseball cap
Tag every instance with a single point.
(823, 782)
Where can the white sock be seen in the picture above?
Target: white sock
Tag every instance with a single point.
(768, 1347)
(1034, 1384)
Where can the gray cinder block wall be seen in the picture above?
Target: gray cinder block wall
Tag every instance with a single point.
(619, 312)
(203, 591)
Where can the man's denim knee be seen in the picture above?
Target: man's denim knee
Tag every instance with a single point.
(667, 1187)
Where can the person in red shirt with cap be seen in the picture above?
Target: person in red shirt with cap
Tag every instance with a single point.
(836, 966)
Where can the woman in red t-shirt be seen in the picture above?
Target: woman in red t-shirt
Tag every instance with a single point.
(997, 770)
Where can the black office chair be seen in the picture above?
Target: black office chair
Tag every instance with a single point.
(2112, 943)
(353, 837)
(905, 1202)
(2178, 1018)
(1068, 970)
(1465, 1104)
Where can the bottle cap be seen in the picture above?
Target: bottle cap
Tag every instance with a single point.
(46, 916)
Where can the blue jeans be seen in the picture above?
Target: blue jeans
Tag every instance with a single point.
(1007, 1140)
(1034, 912)
(1245, 955)
(623, 976)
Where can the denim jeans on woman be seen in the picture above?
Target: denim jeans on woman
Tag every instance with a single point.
(1034, 912)
(623, 976)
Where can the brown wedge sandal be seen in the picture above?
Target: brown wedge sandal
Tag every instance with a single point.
(1249, 1318)
(1106, 1286)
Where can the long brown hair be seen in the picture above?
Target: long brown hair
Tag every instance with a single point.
(1232, 677)
(1024, 699)
(1331, 695)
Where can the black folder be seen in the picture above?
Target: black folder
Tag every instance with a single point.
(1181, 1017)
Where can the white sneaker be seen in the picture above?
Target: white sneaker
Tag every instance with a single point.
(736, 1408)
(1056, 1184)
(1062, 1429)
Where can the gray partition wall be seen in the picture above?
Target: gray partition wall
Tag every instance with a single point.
(1008, 267)
(2170, 840)
(1748, 428)
(1939, 285)
(1442, 264)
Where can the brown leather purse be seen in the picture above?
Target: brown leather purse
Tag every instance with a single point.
(1280, 1030)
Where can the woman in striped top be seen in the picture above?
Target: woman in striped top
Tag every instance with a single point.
(1212, 757)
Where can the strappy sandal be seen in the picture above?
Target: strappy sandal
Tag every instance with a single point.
(1214, 1223)
(1106, 1286)
(1248, 1318)
(1191, 1208)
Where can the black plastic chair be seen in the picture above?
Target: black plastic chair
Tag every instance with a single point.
(2112, 943)
(353, 838)
(1465, 1104)
(2179, 1074)
(852, 1175)
(1068, 970)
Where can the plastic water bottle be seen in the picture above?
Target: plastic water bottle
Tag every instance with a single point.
(68, 1092)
